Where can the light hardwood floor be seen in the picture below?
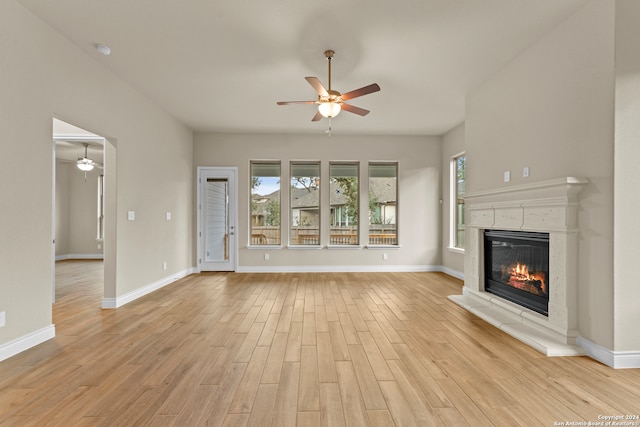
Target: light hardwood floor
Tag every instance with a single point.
(332, 349)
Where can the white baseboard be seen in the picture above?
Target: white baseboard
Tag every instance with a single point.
(127, 298)
(79, 256)
(453, 273)
(381, 268)
(26, 342)
(614, 359)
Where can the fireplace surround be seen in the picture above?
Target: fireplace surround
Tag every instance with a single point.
(548, 207)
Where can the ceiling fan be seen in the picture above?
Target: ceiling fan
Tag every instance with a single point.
(331, 102)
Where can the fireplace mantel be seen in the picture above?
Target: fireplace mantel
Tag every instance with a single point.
(545, 206)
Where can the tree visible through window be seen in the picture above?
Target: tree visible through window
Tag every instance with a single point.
(383, 203)
(305, 203)
(265, 203)
(344, 200)
(457, 200)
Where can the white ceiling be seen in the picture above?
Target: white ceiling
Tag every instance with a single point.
(220, 66)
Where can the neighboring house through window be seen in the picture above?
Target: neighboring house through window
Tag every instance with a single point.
(383, 203)
(305, 203)
(265, 203)
(344, 200)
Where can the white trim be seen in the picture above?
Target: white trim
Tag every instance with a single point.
(25, 342)
(305, 247)
(456, 250)
(79, 256)
(453, 273)
(140, 292)
(342, 269)
(614, 359)
(383, 246)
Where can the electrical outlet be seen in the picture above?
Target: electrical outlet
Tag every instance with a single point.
(507, 176)
(525, 172)
(168, 216)
(385, 256)
(164, 265)
(266, 257)
(131, 215)
(2, 318)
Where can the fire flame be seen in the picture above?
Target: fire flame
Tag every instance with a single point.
(522, 279)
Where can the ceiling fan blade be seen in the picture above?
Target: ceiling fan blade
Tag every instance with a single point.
(296, 102)
(356, 110)
(313, 81)
(360, 92)
(317, 117)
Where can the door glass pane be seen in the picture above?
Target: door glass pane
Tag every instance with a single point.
(216, 220)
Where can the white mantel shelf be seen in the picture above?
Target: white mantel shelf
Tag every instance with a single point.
(549, 206)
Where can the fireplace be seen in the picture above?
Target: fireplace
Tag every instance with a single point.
(541, 221)
(517, 267)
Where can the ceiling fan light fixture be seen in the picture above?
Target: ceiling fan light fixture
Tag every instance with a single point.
(85, 164)
(329, 109)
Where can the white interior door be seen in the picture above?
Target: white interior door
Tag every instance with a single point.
(217, 207)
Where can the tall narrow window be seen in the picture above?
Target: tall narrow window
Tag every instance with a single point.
(344, 200)
(457, 201)
(100, 233)
(383, 203)
(265, 203)
(305, 203)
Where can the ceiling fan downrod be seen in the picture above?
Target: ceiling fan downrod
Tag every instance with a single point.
(329, 54)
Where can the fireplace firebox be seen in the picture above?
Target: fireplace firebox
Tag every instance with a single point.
(517, 267)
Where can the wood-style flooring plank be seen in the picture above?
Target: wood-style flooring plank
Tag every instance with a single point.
(305, 349)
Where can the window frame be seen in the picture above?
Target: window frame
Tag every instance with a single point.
(314, 239)
(454, 214)
(251, 205)
(396, 214)
(335, 239)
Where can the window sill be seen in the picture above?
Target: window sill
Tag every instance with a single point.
(456, 250)
(343, 247)
(260, 247)
(304, 247)
(383, 246)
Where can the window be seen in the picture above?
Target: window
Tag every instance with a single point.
(383, 203)
(343, 199)
(305, 203)
(100, 234)
(265, 203)
(457, 201)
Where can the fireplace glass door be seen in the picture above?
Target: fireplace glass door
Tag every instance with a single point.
(517, 267)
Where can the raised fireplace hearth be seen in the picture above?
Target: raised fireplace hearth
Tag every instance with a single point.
(538, 223)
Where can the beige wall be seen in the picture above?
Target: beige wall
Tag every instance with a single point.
(627, 181)
(551, 109)
(452, 145)
(45, 76)
(419, 192)
(76, 211)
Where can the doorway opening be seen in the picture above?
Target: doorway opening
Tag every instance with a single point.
(80, 205)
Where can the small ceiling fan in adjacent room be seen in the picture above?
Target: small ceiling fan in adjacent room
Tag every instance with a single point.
(330, 102)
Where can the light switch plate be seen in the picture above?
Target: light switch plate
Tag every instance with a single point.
(168, 216)
(507, 176)
(2, 318)
(525, 172)
(131, 215)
